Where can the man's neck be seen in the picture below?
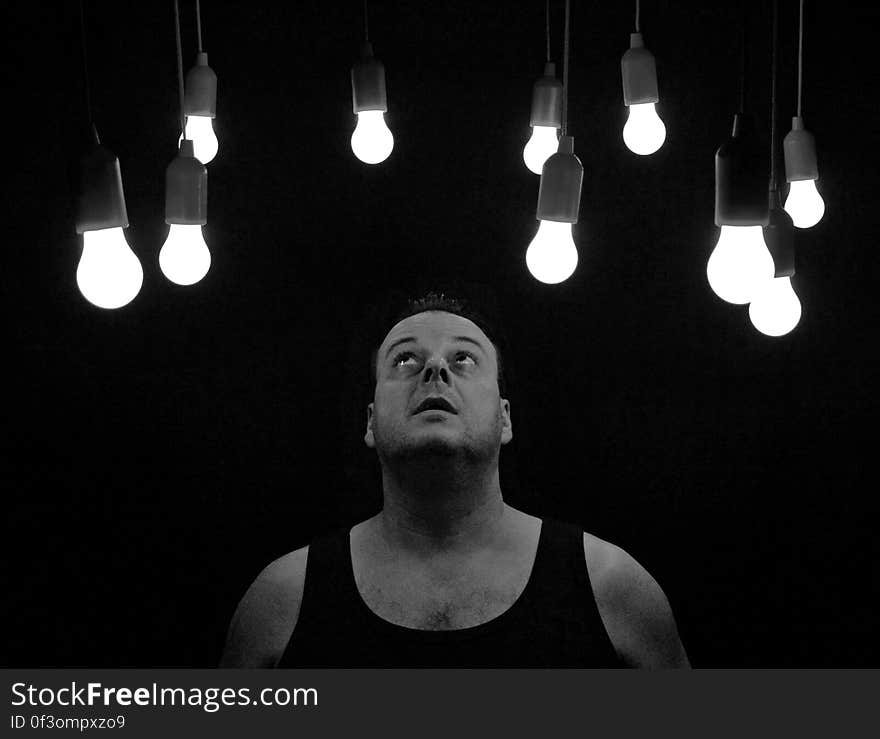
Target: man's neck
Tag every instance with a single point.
(436, 509)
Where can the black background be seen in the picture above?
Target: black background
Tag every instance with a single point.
(161, 454)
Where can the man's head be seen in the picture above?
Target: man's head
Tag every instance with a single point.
(438, 352)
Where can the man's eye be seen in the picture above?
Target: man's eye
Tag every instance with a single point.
(403, 356)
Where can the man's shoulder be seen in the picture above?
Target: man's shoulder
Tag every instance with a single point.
(599, 555)
(633, 606)
(267, 613)
(281, 581)
(279, 584)
(614, 573)
(286, 571)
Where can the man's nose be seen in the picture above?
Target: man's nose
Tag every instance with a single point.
(436, 370)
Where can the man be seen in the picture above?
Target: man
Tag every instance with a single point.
(447, 574)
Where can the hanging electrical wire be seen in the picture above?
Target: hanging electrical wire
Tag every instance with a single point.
(565, 54)
(743, 59)
(547, 25)
(199, 25)
(85, 63)
(366, 22)
(774, 63)
(180, 85)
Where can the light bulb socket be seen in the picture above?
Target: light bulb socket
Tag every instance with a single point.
(547, 99)
(799, 147)
(559, 194)
(200, 91)
(779, 237)
(186, 188)
(639, 72)
(100, 201)
(741, 178)
(368, 83)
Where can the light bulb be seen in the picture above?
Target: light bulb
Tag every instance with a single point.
(644, 132)
(552, 255)
(543, 142)
(804, 204)
(109, 274)
(184, 257)
(739, 263)
(371, 141)
(200, 130)
(775, 309)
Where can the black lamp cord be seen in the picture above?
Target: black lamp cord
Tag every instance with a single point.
(199, 25)
(565, 72)
(743, 60)
(366, 23)
(638, 26)
(85, 61)
(179, 69)
(547, 25)
(800, 57)
(774, 152)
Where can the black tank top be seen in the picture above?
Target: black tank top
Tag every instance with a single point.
(553, 623)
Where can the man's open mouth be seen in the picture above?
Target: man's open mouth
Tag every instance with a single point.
(434, 404)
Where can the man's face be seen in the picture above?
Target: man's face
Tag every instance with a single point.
(437, 355)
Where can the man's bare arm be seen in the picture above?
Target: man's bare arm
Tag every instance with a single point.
(266, 616)
(637, 614)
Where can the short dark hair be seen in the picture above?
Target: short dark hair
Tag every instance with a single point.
(480, 308)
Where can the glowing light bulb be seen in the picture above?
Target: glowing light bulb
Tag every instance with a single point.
(372, 141)
(804, 204)
(109, 274)
(739, 264)
(552, 255)
(543, 142)
(200, 130)
(184, 257)
(644, 132)
(775, 310)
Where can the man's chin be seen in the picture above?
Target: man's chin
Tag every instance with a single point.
(434, 445)
(437, 446)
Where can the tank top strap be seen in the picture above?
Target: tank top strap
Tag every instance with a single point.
(559, 562)
(328, 581)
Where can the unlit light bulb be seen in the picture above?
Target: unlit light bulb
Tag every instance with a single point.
(552, 255)
(184, 257)
(644, 132)
(200, 130)
(804, 204)
(372, 140)
(739, 263)
(544, 141)
(109, 274)
(775, 309)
